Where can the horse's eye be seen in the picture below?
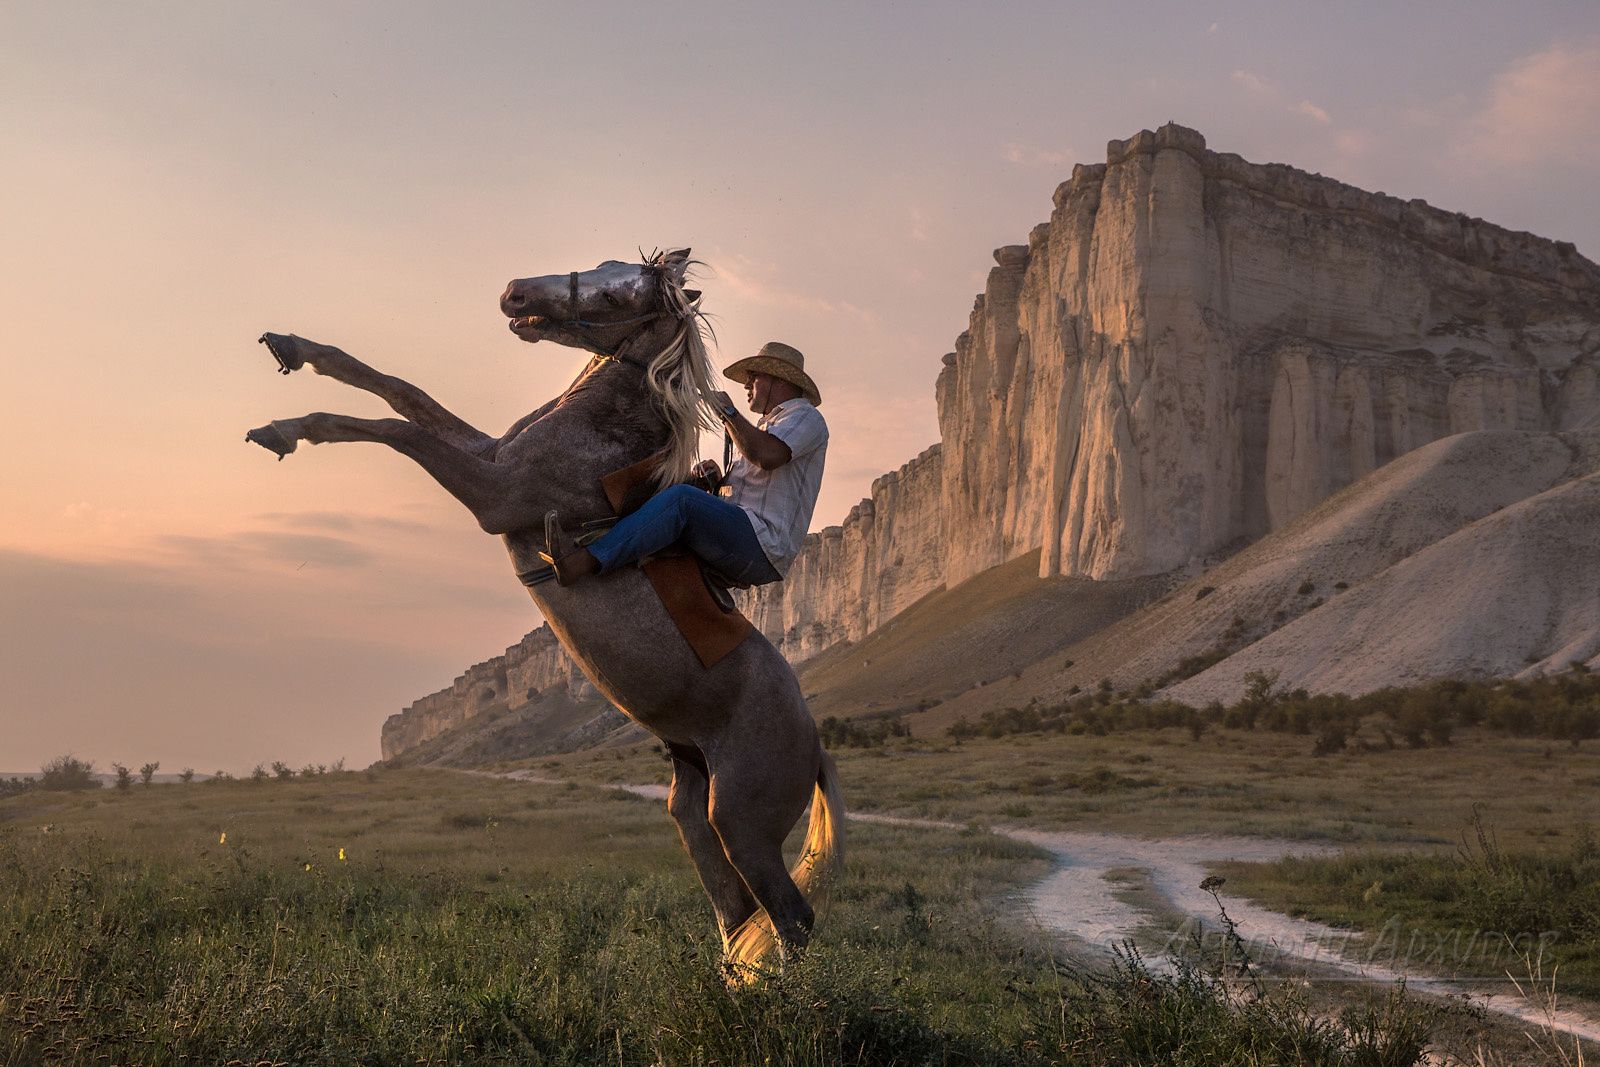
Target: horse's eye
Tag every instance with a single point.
(612, 299)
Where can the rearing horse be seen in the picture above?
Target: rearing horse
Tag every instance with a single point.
(745, 753)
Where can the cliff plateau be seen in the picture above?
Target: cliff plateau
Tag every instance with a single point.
(1191, 354)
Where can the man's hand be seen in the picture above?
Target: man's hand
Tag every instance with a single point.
(722, 402)
(709, 470)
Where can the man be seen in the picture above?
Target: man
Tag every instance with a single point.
(752, 536)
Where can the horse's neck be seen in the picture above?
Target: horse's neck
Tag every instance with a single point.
(606, 420)
(612, 401)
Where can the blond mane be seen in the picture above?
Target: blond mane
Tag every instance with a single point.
(680, 375)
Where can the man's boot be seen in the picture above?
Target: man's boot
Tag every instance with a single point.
(569, 560)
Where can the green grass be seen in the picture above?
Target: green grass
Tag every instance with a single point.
(487, 921)
(1476, 911)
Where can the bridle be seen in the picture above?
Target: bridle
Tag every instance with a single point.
(576, 322)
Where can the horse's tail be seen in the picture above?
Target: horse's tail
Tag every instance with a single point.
(822, 856)
(821, 860)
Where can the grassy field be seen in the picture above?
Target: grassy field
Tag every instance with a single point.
(427, 917)
(1478, 911)
(1416, 879)
(1535, 793)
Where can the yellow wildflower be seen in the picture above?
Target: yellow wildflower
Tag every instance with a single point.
(341, 855)
(223, 840)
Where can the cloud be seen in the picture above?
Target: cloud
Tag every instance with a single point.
(753, 280)
(338, 520)
(919, 224)
(1026, 155)
(305, 548)
(250, 547)
(1545, 106)
(1253, 83)
(1270, 94)
(1353, 143)
(274, 546)
(1306, 107)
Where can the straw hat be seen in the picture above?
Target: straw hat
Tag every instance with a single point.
(780, 361)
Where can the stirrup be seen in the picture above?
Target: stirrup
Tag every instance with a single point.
(558, 547)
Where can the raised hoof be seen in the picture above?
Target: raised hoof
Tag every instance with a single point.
(285, 350)
(272, 439)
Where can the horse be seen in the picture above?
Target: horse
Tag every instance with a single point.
(746, 758)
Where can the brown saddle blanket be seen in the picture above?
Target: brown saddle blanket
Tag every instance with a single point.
(678, 578)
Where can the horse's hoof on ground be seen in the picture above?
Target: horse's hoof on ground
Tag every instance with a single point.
(285, 349)
(272, 439)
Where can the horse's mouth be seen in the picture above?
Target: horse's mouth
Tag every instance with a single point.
(527, 326)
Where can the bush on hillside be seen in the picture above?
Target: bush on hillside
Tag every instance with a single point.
(861, 733)
(1563, 707)
(68, 772)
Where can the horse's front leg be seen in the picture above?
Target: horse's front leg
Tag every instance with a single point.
(489, 491)
(412, 403)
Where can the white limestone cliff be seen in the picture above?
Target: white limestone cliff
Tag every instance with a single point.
(536, 664)
(1192, 352)
(1196, 349)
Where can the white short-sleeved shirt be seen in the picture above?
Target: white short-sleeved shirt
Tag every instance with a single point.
(780, 502)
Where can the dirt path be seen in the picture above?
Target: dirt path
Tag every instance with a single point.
(1080, 900)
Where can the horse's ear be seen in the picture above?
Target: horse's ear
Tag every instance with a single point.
(691, 295)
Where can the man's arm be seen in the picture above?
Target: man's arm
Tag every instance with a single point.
(765, 450)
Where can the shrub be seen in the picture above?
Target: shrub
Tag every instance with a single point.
(68, 772)
(1331, 739)
(186, 775)
(148, 772)
(866, 733)
(124, 776)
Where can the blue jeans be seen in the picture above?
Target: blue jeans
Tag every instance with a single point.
(713, 529)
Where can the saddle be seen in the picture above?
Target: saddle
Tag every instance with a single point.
(698, 600)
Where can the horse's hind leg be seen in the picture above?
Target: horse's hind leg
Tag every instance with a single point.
(752, 812)
(688, 803)
(407, 400)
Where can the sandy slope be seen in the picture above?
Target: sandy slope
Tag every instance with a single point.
(1486, 540)
(1515, 592)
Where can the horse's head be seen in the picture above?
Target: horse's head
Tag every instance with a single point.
(597, 310)
(644, 307)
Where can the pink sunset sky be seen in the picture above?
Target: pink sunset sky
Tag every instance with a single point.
(178, 179)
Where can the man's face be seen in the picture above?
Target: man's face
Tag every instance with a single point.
(758, 393)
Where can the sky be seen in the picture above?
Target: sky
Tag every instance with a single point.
(176, 179)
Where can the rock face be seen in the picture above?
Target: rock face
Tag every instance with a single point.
(848, 580)
(534, 666)
(1196, 349)
(1190, 354)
